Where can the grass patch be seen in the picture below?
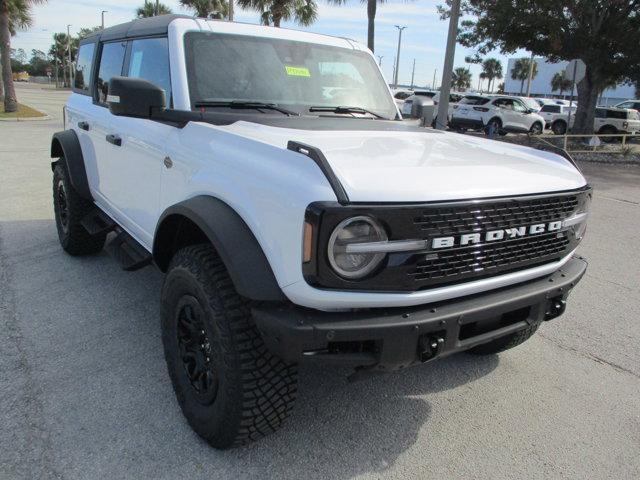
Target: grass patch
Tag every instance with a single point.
(23, 112)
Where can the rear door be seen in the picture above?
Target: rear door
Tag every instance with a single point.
(111, 62)
(81, 113)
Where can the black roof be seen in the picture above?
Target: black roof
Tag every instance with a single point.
(141, 27)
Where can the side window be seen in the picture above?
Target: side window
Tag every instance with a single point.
(82, 79)
(619, 114)
(626, 105)
(547, 108)
(600, 113)
(519, 107)
(150, 61)
(111, 62)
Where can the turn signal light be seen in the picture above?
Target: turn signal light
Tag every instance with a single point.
(307, 242)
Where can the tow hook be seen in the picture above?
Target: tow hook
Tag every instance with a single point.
(557, 306)
(429, 346)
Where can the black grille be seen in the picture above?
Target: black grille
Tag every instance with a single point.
(463, 263)
(495, 215)
(433, 267)
(482, 260)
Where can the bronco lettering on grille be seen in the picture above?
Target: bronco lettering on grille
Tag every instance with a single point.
(495, 235)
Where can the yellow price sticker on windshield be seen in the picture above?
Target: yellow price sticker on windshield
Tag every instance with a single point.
(297, 71)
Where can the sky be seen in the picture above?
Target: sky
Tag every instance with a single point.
(424, 39)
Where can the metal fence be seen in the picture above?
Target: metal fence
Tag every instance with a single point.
(592, 143)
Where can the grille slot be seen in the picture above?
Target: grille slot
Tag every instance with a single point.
(481, 260)
(490, 216)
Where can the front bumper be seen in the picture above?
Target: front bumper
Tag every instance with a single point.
(389, 339)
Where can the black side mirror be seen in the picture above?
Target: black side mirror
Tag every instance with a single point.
(134, 97)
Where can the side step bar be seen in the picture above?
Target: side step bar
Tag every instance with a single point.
(98, 222)
(128, 252)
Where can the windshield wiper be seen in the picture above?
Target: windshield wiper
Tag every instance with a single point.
(246, 105)
(341, 109)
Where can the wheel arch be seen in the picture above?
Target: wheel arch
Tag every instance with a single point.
(208, 219)
(66, 146)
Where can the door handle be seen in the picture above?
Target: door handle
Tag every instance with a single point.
(114, 139)
(83, 125)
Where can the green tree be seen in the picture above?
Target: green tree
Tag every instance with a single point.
(60, 56)
(14, 15)
(272, 12)
(38, 63)
(85, 32)
(560, 82)
(520, 71)
(149, 10)
(208, 8)
(605, 34)
(461, 79)
(492, 69)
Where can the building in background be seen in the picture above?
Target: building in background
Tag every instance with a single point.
(541, 84)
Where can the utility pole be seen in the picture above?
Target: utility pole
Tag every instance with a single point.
(433, 84)
(380, 57)
(102, 15)
(69, 52)
(450, 53)
(157, 9)
(531, 61)
(395, 77)
(231, 10)
(413, 72)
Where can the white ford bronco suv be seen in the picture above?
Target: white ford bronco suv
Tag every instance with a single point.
(268, 173)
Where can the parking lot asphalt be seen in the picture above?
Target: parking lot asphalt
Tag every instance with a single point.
(84, 391)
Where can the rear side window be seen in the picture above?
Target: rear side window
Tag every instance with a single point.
(619, 114)
(111, 62)
(474, 101)
(600, 113)
(150, 61)
(82, 80)
(551, 109)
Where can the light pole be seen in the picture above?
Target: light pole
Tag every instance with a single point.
(530, 75)
(433, 85)
(231, 10)
(445, 87)
(102, 15)
(380, 57)
(413, 72)
(69, 52)
(395, 78)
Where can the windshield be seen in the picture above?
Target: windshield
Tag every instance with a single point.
(291, 74)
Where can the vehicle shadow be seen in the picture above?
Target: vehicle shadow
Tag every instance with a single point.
(92, 381)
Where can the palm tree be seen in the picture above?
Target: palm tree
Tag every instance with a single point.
(520, 71)
(559, 82)
(14, 15)
(208, 8)
(272, 12)
(59, 53)
(492, 69)
(149, 10)
(461, 78)
(372, 6)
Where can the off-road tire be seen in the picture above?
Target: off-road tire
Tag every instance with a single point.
(252, 390)
(505, 343)
(69, 211)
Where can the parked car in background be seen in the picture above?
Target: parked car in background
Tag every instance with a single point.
(634, 104)
(545, 101)
(607, 121)
(454, 98)
(530, 102)
(21, 76)
(399, 96)
(552, 113)
(501, 114)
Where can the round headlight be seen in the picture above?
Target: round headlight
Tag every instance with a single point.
(355, 230)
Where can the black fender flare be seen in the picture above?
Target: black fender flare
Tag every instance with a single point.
(65, 145)
(233, 240)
